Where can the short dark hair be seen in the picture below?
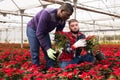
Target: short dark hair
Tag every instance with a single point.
(67, 7)
(72, 20)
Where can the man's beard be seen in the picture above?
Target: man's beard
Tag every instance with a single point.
(75, 32)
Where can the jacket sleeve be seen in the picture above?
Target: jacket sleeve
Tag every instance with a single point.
(60, 27)
(79, 50)
(42, 29)
(82, 36)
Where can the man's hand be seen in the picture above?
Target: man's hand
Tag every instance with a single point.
(50, 53)
(67, 48)
(79, 43)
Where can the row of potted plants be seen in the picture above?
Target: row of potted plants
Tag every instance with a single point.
(15, 64)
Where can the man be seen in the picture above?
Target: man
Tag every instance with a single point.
(38, 29)
(72, 51)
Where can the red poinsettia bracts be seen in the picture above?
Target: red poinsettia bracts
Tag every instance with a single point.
(10, 69)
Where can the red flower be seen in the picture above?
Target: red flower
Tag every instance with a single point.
(90, 37)
(76, 71)
(39, 79)
(65, 74)
(71, 66)
(85, 76)
(8, 71)
(117, 71)
(70, 75)
(1, 79)
(83, 52)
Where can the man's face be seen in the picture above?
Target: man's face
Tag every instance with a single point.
(74, 27)
(64, 15)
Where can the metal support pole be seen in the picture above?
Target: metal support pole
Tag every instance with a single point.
(0, 36)
(21, 31)
(21, 11)
(75, 5)
(94, 27)
(6, 40)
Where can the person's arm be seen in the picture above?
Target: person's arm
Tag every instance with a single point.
(60, 27)
(42, 29)
(81, 42)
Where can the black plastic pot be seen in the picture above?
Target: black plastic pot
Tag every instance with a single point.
(100, 56)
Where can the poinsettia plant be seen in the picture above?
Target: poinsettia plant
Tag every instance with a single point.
(93, 46)
(92, 43)
(60, 39)
(59, 42)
